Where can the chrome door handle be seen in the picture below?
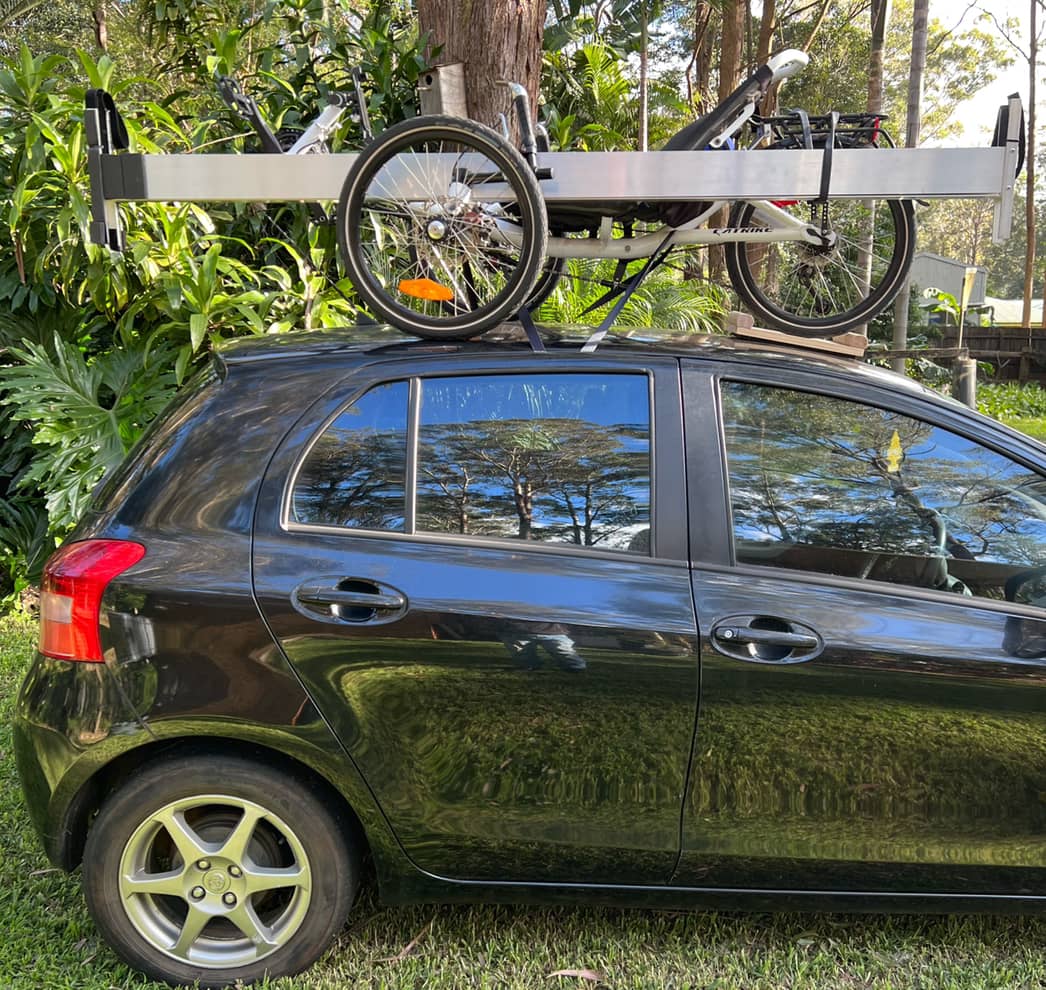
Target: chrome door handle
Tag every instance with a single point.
(312, 595)
(336, 598)
(766, 637)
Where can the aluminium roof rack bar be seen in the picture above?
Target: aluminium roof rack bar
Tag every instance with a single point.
(899, 173)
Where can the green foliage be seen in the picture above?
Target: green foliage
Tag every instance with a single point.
(96, 342)
(12, 9)
(664, 301)
(617, 23)
(591, 103)
(84, 414)
(1009, 400)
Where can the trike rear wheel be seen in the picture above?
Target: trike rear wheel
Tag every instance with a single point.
(442, 227)
(817, 291)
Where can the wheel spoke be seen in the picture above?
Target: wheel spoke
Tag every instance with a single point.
(237, 841)
(153, 883)
(244, 917)
(258, 878)
(186, 841)
(195, 922)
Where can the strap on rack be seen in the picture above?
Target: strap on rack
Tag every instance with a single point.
(624, 292)
(633, 283)
(826, 159)
(533, 337)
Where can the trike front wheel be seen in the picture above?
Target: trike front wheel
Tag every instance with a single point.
(442, 227)
(821, 290)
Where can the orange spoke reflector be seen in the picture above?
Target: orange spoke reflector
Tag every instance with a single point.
(425, 288)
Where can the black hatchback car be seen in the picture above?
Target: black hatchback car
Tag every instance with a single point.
(707, 623)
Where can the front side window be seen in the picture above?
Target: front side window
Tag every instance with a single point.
(554, 458)
(838, 487)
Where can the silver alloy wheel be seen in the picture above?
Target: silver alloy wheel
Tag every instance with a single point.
(198, 881)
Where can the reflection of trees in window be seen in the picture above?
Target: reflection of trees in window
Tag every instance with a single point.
(354, 475)
(552, 476)
(807, 469)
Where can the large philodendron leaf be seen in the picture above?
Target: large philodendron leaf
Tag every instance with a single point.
(84, 415)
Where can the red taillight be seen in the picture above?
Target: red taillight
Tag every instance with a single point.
(71, 595)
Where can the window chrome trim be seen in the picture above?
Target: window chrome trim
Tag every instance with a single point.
(483, 543)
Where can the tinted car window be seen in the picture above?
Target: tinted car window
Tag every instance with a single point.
(828, 485)
(355, 473)
(554, 458)
(550, 458)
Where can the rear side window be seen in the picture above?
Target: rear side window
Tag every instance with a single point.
(559, 458)
(355, 473)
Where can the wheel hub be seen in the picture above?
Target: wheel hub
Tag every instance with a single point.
(217, 882)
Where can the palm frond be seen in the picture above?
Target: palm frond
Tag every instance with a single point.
(10, 10)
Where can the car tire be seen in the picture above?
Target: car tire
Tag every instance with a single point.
(218, 869)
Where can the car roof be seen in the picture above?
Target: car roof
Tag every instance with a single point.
(361, 344)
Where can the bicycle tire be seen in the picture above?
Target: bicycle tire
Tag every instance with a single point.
(778, 281)
(450, 246)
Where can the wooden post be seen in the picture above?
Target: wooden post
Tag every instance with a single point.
(964, 381)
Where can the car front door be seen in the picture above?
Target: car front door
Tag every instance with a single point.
(870, 590)
(480, 574)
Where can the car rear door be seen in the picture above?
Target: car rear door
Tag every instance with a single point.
(479, 572)
(868, 575)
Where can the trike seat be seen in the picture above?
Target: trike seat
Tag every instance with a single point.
(694, 137)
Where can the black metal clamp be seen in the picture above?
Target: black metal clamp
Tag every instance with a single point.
(106, 134)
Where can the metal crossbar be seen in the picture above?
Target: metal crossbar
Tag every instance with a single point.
(576, 177)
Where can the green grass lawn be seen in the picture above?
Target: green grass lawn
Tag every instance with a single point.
(48, 940)
(1034, 426)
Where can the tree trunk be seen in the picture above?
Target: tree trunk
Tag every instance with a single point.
(1029, 211)
(101, 28)
(496, 40)
(699, 70)
(733, 40)
(767, 24)
(644, 83)
(880, 13)
(920, 21)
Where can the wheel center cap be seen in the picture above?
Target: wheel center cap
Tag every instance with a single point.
(217, 882)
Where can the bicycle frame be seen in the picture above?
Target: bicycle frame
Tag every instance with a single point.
(781, 227)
